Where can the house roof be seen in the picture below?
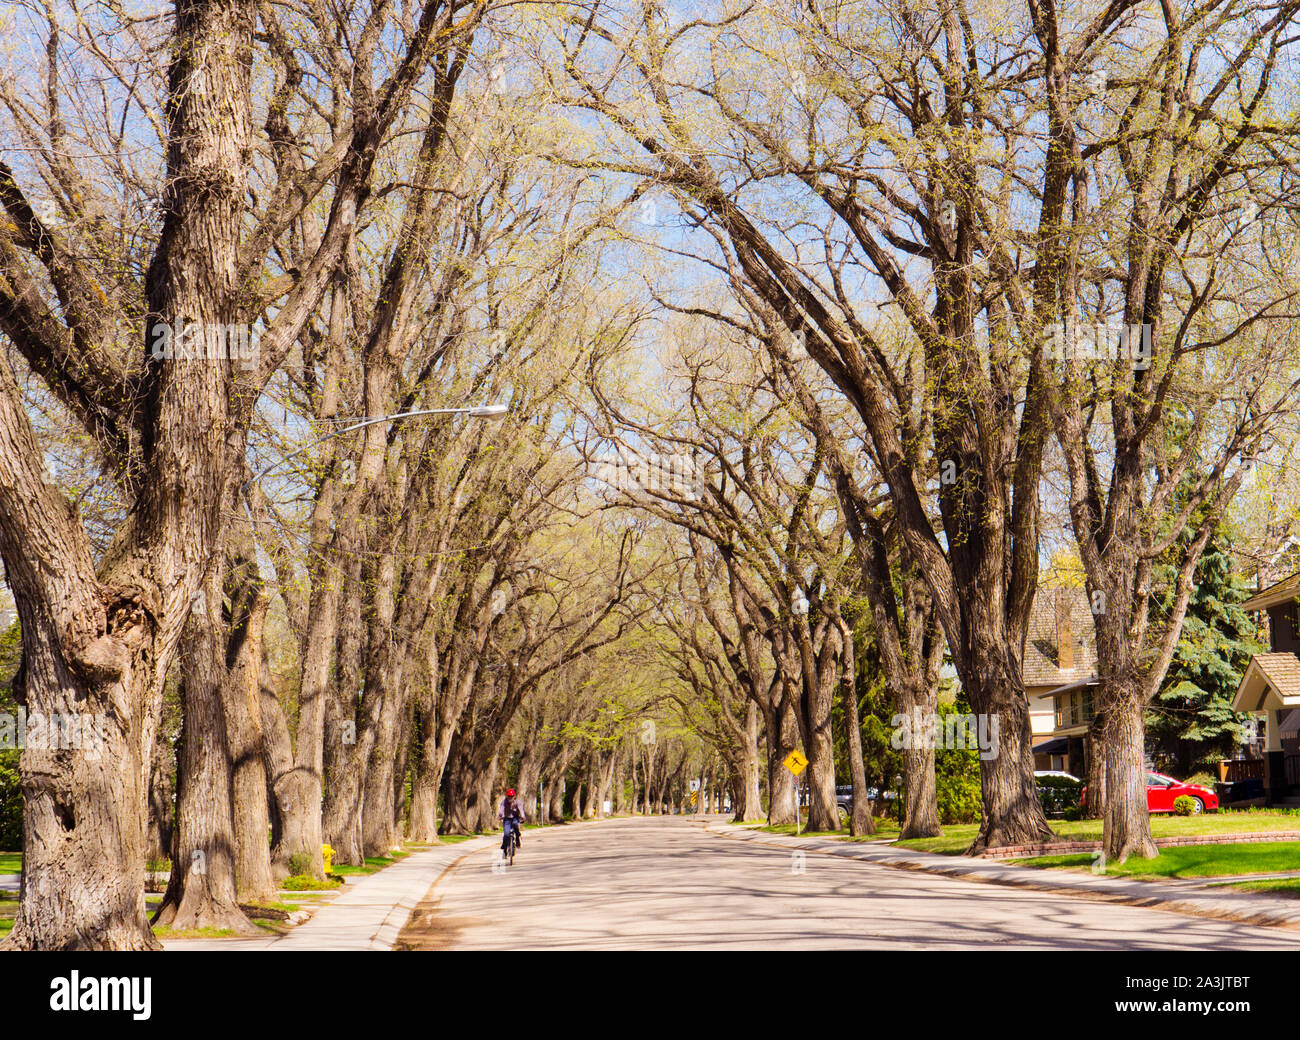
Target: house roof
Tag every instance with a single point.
(1042, 655)
(1280, 592)
(1271, 682)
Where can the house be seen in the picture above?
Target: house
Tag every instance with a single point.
(1060, 676)
(1271, 688)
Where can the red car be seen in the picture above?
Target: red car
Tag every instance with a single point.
(1162, 790)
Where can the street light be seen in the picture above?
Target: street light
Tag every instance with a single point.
(478, 411)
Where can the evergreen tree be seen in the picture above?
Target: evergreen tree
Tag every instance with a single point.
(1191, 724)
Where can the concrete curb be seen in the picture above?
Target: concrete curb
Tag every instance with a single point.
(1244, 907)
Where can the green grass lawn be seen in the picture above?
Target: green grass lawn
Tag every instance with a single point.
(11, 862)
(307, 897)
(374, 863)
(288, 908)
(1287, 887)
(9, 908)
(1190, 861)
(885, 830)
(958, 837)
(194, 933)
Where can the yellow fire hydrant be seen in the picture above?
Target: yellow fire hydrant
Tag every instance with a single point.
(327, 852)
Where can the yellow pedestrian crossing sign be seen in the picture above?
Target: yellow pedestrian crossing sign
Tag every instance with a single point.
(795, 762)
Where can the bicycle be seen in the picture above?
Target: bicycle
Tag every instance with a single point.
(509, 843)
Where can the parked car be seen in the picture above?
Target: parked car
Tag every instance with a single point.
(1163, 791)
(844, 799)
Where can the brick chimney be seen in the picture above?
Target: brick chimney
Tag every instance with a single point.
(1064, 631)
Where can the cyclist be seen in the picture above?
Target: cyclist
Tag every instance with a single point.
(511, 816)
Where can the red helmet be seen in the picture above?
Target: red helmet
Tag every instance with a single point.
(510, 793)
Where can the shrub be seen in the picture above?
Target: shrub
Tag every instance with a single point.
(1184, 805)
(957, 775)
(307, 883)
(957, 786)
(299, 864)
(1058, 794)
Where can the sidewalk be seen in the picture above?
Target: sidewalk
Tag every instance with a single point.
(1160, 894)
(367, 914)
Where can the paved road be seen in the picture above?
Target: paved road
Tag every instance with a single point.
(667, 884)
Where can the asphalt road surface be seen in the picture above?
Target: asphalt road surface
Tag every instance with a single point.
(668, 884)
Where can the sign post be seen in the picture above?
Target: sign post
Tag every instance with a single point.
(796, 763)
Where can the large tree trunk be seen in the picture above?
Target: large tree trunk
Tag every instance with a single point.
(300, 790)
(379, 835)
(1095, 751)
(485, 804)
(597, 779)
(620, 782)
(820, 672)
(83, 814)
(201, 890)
(348, 737)
(424, 784)
(749, 804)
(607, 785)
(592, 786)
(1012, 813)
(429, 774)
(576, 803)
(101, 644)
(544, 801)
(242, 705)
(556, 813)
(162, 799)
(920, 794)
(342, 826)
(782, 738)
(279, 765)
(860, 821)
(460, 811)
(1126, 826)
(529, 765)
